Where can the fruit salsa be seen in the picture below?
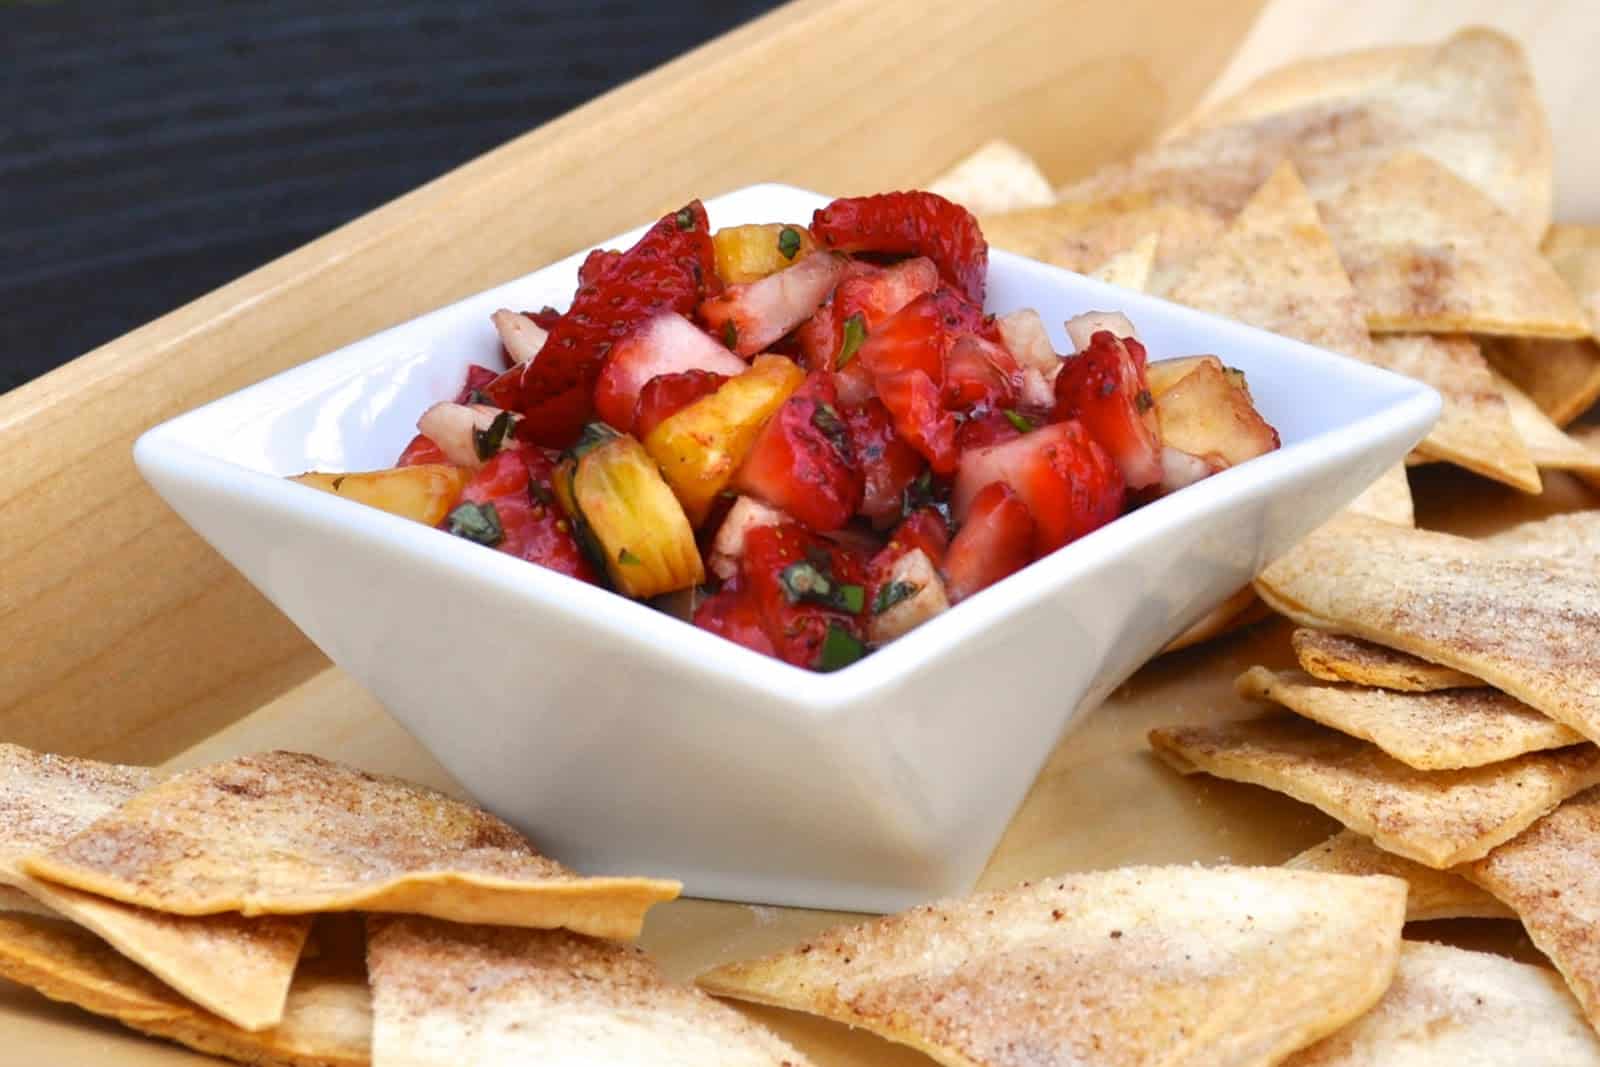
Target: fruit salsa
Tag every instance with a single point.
(806, 439)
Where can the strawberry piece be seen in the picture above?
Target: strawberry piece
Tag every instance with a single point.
(517, 483)
(421, 451)
(990, 428)
(670, 269)
(996, 540)
(910, 224)
(545, 318)
(802, 461)
(732, 613)
(906, 356)
(595, 264)
(1069, 483)
(667, 394)
(478, 379)
(1104, 388)
(980, 374)
(887, 463)
(874, 293)
(666, 343)
(748, 318)
(924, 529)
(798, 626)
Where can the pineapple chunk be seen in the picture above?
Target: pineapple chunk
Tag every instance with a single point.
(749, 253)
(1163, 374)
(1209, 413)
(425, 492)
(628, 516)
(700, 447)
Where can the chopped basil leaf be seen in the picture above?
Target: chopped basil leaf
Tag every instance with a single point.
(730, 335)
(919, 494)
(487, 442)
(827, 420)
(839, 649)
(808, 580)
(476, 522)
(855, 331)
(852, 598)
(891, 594)
(788, 242)
(685, 218)
(628, 558)
(1021, 422)
(478, 396)
(593, 436)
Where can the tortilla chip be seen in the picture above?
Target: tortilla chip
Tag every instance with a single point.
(1131, 267)
(1239, 610)
(1469, 103)
(1574, 250)
(1139, 965)
(323, 837)
(238, 968)
(1428, 252)
(1388, 498)
(15, 900)
(997, 177)
(1338, 658)
(1430, 894)
(1548, 445)
(1438, 818)
(326, 1018)
(450, 994)
(1562, 378)
(1522, 625)
(1547, 876)
(1571, 538)
(1443, 731)
(1475, 428)
(1450, 1006)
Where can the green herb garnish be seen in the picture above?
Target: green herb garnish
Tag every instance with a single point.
(1022, 423)
(487, 442)
(788, 242)
(627, 558)
(827, 420)
(891, 594)
(478, 396)
(684, 218)
(1144, 401)
(479, 523)
(919, 494)
(855, 331)
(593, 436)
(808, 580)
(730, 335)
(839, 649)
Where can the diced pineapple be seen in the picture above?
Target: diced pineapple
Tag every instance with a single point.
(1163, 374)
(1208, 413)
(628, 516)
(425, 492)
(750, 253)
(700, 447)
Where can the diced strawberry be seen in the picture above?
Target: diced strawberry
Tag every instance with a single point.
(797, 625)
(980, 374)
(873, 293)
(1104, 388)
(906, 356)
(666, 343)
(1069, 483)
(545, 318)
(748, 318)
(670, 269)
(925, 529)
(517, 484)
(802, 461)
(910, 224)
(595, 264)
(733, 613)
(667, 394)
(913, 400)
(996, 540)
(887, 463)
(421, 451)
(478, 379)
(991, 427)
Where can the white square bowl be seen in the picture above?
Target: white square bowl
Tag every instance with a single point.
(625, 741)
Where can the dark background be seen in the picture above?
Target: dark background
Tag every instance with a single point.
(152, 151)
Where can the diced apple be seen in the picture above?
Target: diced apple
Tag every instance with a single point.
(466, 433)
(665, 344)
(424, 493)
(1207, 414)
(912, 594)
(748, 318)
(522, 337)
(1080, 328)
(727, 548)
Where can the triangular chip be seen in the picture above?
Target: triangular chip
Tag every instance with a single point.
(1547, 876)
(1450, 1006)
(1428, 252)
(997, 177)
(1240, 609)
(445, 994)
(286, 834)
(1572, 538)
(16, 900)
(1338, 658)
(1522, 625)
(1562, 378)
(1447, 730)
(1141, 965)
(1548, 445)
(1470, 103)
(1574, 250)
(1438, 818)
(1430, 894)
(239, 968)
(1131, 267)
(1475, 428)
(1388, 498)
(326, 1021)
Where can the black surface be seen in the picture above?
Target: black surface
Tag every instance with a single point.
(150, 152)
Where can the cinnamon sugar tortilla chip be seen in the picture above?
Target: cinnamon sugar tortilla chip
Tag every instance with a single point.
(1574, 251)
(1571, 538)
(1562, 378)
(1447, 730)
(286, 834)
(449, 994)
(1239, 610)
(1430, 894)
(1547, 875)
(15, 900)
(236, 967)
(1450, 1006)
(1388, 498)
(1140, 965)
(1428, 252)
(1438, 818)
(997, 177)
(326, 1018)
(1338, 658)
(1131, 267)
(1469, 102)
(1521, 624)
(1548, 445)
(1475, 428)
